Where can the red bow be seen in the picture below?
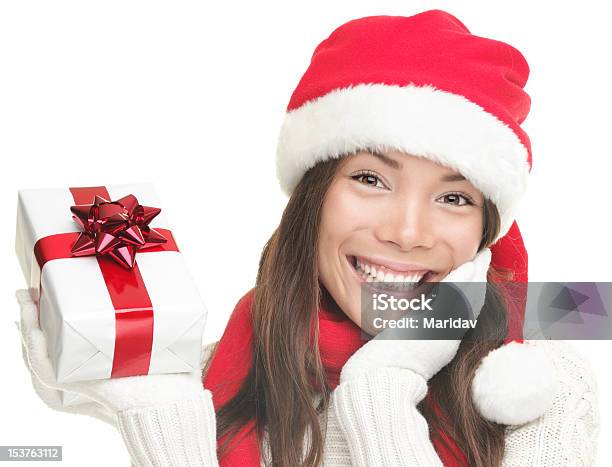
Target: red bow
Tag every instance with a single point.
(115, 228)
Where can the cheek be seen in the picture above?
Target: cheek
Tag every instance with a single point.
(339, 231)
(343, 214)
(332, 232)
(344, 209)
(462, 236)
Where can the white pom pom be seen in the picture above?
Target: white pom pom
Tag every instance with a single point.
(514, 384)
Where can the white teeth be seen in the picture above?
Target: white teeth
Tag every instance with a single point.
(370, 274)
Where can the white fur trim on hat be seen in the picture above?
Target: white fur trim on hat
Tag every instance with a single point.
(420, 120)
(514, 384)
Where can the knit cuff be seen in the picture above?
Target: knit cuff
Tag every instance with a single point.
(378, 415)
(179, 433)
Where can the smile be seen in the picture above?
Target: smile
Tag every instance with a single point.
(374, 272)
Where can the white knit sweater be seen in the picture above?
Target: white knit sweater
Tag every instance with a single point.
(373, 421)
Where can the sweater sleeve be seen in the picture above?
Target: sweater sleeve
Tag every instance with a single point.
(178, 433)
(378, 416)
(181, 433)
(566, 435)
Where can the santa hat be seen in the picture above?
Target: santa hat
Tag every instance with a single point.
(426, 86)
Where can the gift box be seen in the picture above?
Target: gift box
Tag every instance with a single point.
(113, 291)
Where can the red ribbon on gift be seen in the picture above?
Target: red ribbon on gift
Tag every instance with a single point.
(126, 288)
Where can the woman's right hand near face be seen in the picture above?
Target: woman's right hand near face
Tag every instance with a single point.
(424, 357)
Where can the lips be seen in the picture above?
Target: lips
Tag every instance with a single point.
(389, 267)
(409, 275)
(394, 267)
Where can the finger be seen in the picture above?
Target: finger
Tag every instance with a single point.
(463, 273)
(34, 343)
(29, 310)
(481, 266)
(483, 259)
(34, 351)
(51, 397)
(486, 254)
(23, 295)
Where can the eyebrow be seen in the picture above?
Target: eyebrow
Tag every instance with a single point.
(387, 160)
(397, 165)
(453, 178)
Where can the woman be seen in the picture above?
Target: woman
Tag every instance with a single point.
(404, 159)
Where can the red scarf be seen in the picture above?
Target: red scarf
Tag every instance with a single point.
(339, 338)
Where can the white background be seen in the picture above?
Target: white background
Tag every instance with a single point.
(191, 96)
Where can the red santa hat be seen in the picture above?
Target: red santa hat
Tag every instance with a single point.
(426, 86)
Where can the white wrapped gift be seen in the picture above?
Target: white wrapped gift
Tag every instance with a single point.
(86, 314)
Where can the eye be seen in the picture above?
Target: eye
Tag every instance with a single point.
(458, 199)
(367, 177)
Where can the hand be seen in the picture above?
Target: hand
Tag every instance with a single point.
(424, 357)
(110, 395)
(53, 398)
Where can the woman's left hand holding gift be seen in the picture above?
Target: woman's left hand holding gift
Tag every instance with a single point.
(108, 396)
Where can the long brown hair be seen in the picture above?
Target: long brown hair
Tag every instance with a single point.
(286, 390)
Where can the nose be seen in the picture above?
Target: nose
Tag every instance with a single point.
(407, 224)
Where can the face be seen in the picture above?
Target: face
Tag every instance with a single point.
(400, 217)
